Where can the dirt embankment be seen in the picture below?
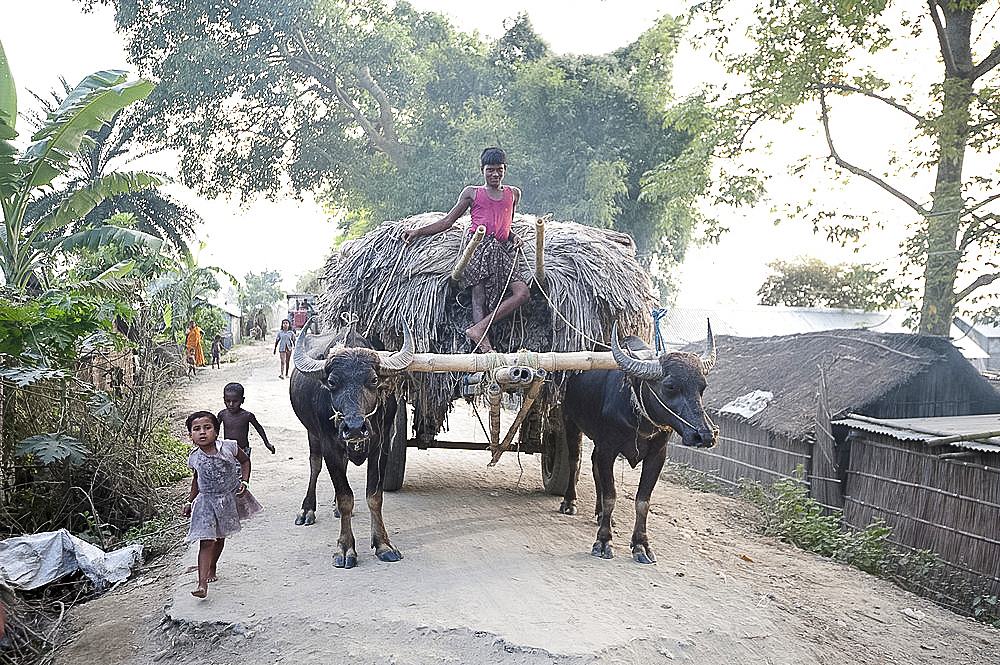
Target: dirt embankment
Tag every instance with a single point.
(492, 572)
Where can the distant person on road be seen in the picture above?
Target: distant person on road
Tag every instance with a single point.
(189, 360)
(236, 420)
(216, 351)
(219, 498)
(192, 340)
(492, 272)
(283, 344)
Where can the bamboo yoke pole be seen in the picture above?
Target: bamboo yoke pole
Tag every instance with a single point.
(463, 261)
(481, 362)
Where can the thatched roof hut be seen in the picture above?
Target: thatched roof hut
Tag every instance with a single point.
(877, 374)
(592, 280)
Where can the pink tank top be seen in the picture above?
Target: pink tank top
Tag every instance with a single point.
(496, 216)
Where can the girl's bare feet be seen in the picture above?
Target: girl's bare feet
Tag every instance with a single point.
(200, 592)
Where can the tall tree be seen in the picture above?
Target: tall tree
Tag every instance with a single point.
(260, 291)
(383, 110)
(819, 53)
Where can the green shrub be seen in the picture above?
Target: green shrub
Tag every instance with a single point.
(167, 456)
(787, 511)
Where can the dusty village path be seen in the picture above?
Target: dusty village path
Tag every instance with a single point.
(493, 573)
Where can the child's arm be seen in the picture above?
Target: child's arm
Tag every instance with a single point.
(191, 495)
(260, 430)
(465, 200)
(244, 461)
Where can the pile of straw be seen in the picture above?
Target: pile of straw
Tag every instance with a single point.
(592, 281)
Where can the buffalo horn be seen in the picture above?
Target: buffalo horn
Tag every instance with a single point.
(303, 363)
(400, 360)
(708, 359)
(640, 369)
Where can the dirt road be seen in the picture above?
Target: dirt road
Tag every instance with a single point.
(492, 572)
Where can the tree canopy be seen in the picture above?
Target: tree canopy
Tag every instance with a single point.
(820, 53)
(807, 282)
(383, 110)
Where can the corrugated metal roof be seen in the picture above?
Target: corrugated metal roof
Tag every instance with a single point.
(682, 326)
(928, 429)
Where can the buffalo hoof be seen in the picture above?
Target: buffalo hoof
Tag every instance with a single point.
(306, 517)
(342, 561)
(391, 554)
(567, 508)
(603, 550)
(643, 554)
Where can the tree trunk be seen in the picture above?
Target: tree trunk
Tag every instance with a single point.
(944, 220)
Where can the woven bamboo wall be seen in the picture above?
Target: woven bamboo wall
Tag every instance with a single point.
(744, 451)
(950, 506)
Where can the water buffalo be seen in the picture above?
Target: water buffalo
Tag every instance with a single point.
(632, 412)
(348, 413)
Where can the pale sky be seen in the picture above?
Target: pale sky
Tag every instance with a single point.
(262, 235)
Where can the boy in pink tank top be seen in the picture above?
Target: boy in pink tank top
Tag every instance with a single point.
(495, 260)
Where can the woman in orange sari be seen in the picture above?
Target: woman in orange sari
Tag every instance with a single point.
(193, 341)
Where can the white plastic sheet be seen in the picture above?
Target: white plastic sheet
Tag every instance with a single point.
(32, 561)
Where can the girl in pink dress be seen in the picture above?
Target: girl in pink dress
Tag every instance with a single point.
(219, 498)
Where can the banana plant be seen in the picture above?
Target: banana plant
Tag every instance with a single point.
(87, 108)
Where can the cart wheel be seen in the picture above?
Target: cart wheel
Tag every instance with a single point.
(395, 465)
(556, 473)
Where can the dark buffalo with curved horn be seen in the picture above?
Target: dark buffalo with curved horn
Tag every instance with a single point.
(348, 409)
(632, 412)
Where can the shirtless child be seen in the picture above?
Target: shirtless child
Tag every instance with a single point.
(236, 420)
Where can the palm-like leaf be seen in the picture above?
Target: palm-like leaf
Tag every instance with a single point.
(94, 239)
(93, 103)
(90, 105)
(79, 204)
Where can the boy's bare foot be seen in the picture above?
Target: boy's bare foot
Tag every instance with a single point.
(200, 592)
(477, 334)
(212, 576)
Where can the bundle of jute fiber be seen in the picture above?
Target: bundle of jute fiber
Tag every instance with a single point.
(591, 281)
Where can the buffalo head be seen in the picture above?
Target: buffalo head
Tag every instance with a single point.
(667, 390)
(350, 378)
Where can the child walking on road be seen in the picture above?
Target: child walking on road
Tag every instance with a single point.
(236, 420)
(219, 499)
(283, 344)
(216, 351)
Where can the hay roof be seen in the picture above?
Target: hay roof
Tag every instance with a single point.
(592, 281)
(861, 368)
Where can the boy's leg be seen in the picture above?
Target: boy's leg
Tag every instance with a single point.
(519, 294)
(478, 335)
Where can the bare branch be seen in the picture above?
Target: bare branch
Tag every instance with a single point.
(874, 95)
(981, 281)
(988, 200)
(950, 67)
(988, 63)
(847, 166)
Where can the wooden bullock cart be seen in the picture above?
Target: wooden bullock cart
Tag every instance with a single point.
(586, 280)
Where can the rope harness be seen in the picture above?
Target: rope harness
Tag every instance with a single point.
(640, 409)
